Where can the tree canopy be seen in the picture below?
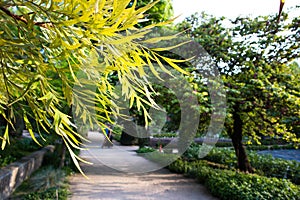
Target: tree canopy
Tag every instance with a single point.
(253, 56)
(79, 43)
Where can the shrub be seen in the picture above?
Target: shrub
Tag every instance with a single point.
(18, 148)
(276, 167)
(117, 132)
(6, 160)
(272, 147)
(233, 185)
(167, 135)
(46, 183)
(145, 150)
(264, 164)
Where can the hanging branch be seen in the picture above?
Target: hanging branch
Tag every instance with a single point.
(22, 19)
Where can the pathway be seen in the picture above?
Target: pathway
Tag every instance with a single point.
(107, 183)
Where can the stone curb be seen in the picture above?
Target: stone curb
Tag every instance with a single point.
(14, 174)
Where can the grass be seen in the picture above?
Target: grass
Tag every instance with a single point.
(47, 183)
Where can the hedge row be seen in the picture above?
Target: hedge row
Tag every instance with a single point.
(233, 185)
(264, 164)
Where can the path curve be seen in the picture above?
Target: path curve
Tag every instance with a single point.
(105, 183)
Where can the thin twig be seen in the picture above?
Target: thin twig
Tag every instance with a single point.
(22, 19)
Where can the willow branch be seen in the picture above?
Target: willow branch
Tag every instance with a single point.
(22, 19)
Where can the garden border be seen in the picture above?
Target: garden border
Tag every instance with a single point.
(14, 174)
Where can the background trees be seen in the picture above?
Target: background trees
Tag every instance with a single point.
(253, 56)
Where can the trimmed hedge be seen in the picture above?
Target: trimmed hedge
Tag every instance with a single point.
(233, 185)
(271, 147)
(264, 164)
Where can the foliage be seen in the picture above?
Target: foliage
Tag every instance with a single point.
(167, 135)
(46, 183)
(262, 88)
(265, 165)
(6, 160)
(145, 150)
(161, 158)
(162, 11)
(18, 148)
(227, 184)
(276, 167)
(79, 43)
(117, 132)
(271, 147)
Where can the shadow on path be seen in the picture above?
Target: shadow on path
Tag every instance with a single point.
(107, 183)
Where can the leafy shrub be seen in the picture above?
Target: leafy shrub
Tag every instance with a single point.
(161, 158)
(6, 160)
(223, 144)
(48, 194)
(264, 164)
(47, 183)
(273, 141)
(272, 147)
(276, 167)
(18, 148)
(192, 152)
(26, 144)
(167, 135)
(145, 150)
(117, 132)
(233, 185)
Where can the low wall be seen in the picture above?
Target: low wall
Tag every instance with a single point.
(14, 174)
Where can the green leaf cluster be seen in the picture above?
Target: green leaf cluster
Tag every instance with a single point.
(56, 57)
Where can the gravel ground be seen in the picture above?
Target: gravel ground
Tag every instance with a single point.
(119, 174)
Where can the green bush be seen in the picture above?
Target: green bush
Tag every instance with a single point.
(271, 147)
(167, 135)
(18, 148)
(46, 183)
(233, 185)
(49, 194)
(117, 132)
(145, 150)
(6, 160)
(276, 167)
(264, 164)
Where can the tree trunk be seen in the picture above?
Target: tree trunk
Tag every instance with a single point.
(63, 155)
(18, 127)
(240, 151)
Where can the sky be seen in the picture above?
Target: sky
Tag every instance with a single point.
(230, 8)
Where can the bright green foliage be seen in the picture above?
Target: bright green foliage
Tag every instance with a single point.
(262, 89)
(264, 164)
(227, 184)
(253, 59)
(162, 11)
(54, 53)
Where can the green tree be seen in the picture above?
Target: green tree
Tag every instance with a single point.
(253, 56)
(81, 43)
(162, 11)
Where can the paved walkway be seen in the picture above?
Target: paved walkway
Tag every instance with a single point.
(120, 181)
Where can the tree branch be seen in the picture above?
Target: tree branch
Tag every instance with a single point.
(22, 19)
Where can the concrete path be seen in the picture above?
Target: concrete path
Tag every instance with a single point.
(113, 176)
